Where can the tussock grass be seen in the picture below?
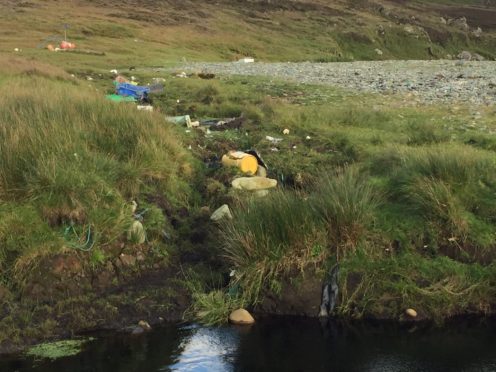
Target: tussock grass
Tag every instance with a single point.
(270, 237)
(452, 188)
(346, 202)
(68, 157)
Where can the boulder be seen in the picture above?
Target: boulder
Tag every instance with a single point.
(253, 183)
(221, 213)
(465, 55)
(460, 23)
(477, 57)
(241, 317)
(477, 32)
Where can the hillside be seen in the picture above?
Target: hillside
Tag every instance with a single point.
(156, 32)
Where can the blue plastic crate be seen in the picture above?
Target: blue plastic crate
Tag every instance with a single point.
(136, 91)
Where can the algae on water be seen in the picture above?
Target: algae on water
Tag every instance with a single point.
(58, 349)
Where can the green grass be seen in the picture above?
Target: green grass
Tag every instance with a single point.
(437, 288)
(375, 180)
(69, 158)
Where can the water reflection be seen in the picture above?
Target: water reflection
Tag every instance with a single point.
(207, 349)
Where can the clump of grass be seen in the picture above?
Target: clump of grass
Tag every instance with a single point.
(214, 307)
(268, 238)
(346, 202)
(450, 187)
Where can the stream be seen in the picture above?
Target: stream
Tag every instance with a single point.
(284, 344)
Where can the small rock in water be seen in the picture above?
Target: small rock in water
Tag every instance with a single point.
(144, 324)
(241, 317)
(411, 313)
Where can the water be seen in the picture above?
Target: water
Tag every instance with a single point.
(285, 344)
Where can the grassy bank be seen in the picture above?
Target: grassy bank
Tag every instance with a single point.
(71, 163)
(401, 198)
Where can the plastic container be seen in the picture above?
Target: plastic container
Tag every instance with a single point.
(246, 163)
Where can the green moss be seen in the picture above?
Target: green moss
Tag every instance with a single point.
(58, 349)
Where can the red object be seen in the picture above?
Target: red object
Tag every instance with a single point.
(67, 45)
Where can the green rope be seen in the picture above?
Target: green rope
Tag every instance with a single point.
(82, 247)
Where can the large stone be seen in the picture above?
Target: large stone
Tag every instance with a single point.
(465, 55)
(221, 213)
(477, 57)
(460, 23)
(253, 183)
(136, 233)
(241, 317)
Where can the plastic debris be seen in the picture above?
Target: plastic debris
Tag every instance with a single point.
(246, 163)
(145, 108)
(64, 45)
(181, 120)
(247, 60)
(285, 131)
(223, 124)
(273, 140)
(117, 98)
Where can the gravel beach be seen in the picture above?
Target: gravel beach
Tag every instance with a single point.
(471, 82)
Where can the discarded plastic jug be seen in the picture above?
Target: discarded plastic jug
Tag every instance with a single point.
(246, 163)
(181, 120)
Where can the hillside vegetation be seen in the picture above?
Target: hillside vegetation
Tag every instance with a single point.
(400, 197)
(154, 33)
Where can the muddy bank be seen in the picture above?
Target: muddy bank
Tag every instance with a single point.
(66, 300)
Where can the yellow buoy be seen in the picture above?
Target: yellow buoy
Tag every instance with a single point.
(246, 163)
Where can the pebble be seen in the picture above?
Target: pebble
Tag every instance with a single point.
(429, 81)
